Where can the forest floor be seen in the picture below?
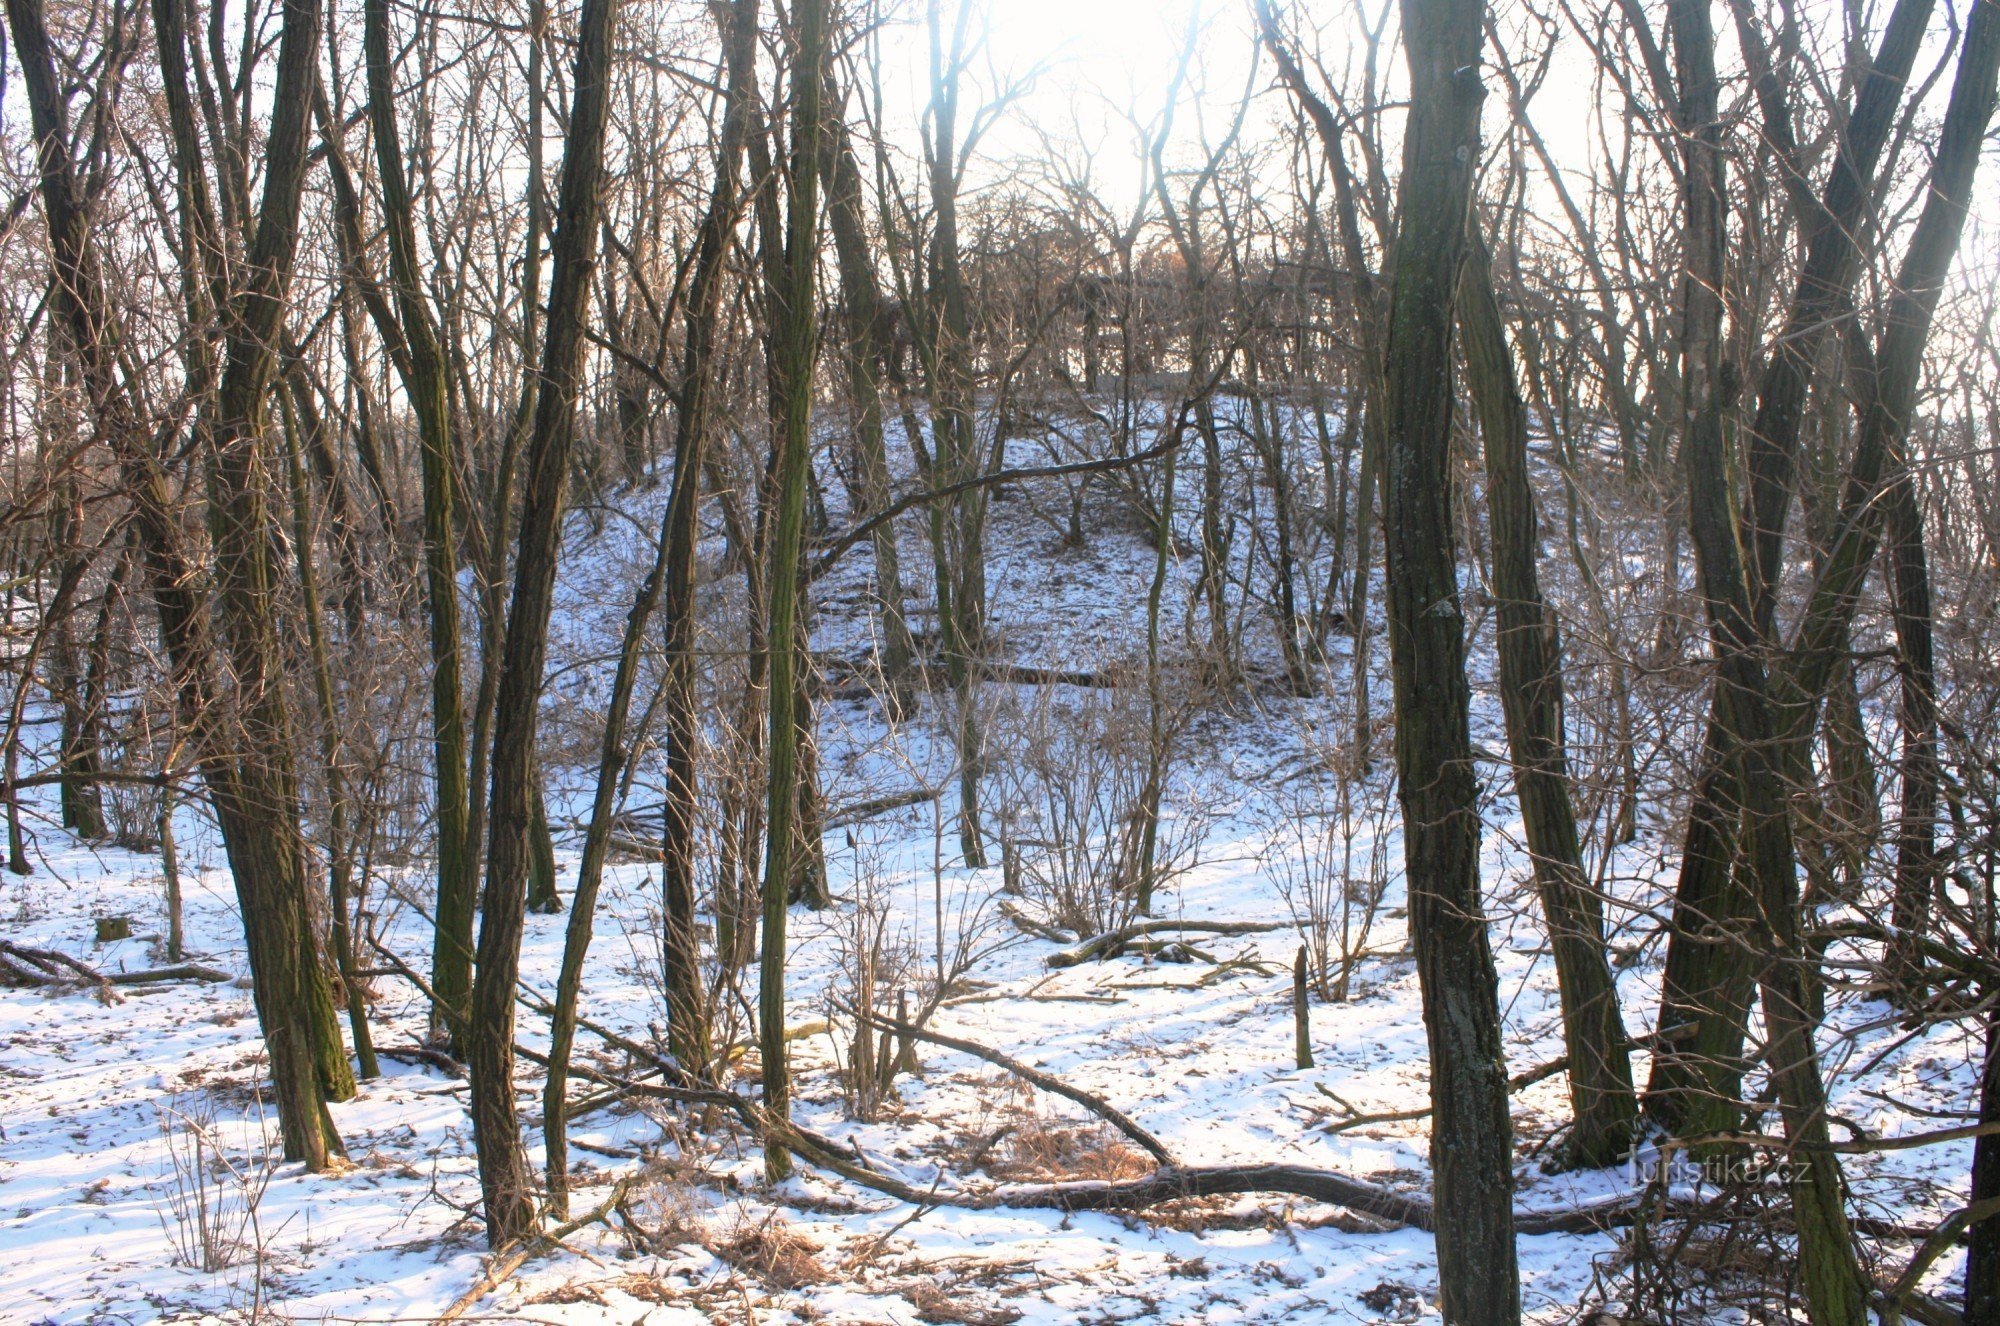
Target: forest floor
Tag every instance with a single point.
(133, 1131)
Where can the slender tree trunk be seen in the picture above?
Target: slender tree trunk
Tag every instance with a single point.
(425, 383)
(866, 328)
(1471, 1137)
(1600, 1068)
(82, 802)
(795, 340)
(339, 845)
(1373, 407)
(958, 528)
(1982, 1256)
(543, 897)
(1697, 1073)
(700, 373)
(1916, 830)
(505, 1182)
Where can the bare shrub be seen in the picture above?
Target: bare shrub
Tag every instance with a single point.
(873, 967)
(1331, 879)
(1080, 782)
(903, 969)
(210, 1214)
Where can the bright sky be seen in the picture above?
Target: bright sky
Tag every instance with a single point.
(1095, 62)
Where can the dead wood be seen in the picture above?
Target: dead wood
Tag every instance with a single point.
(46, 967)
(1096, 1105)
(180, 971)
(1112, 942)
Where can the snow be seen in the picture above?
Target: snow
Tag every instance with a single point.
(96, 1097)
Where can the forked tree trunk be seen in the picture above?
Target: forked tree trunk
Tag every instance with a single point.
(247, 771)
(1696, 1076)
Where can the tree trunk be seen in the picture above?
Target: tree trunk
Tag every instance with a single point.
(1471, 1140)
(1600, 1068)
(792, 379)
(866, 317)
(339, 847)
(958, 527)
(247, 768)
(425, 383)
(543, 897)
(1982, 1256)
(1916, 829)
(1695, 1077)
(505, 1182)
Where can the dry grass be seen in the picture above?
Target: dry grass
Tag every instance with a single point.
(1039, 1149)
(772, 1252)
(934, 1304)
(649, 1289)
(567, 1295)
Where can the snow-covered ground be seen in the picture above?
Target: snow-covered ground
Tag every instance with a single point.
(111, 1110)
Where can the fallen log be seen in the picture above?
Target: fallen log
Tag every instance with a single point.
(1111, 942)
(46, 967)
(873, 806)
(22, 965)
(180, 971)
(1023, 674)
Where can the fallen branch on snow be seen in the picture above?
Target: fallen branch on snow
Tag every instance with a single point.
(1170, 1182)
(1112, 942)
(1103, 1110)
(21, 965)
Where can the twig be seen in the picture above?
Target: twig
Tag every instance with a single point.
(1521, 1081)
